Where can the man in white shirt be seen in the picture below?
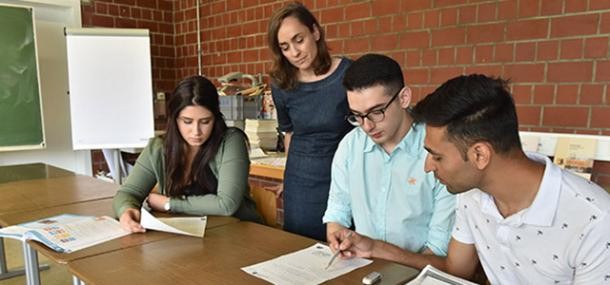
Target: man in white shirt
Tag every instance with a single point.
(526, 220)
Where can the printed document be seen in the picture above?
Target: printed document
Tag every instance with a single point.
(190, 226)
(306, 266)
(67, 233)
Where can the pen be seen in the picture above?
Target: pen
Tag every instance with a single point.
(336, 253)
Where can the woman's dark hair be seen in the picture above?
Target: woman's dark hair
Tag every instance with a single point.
(192, 91)
(283, 73)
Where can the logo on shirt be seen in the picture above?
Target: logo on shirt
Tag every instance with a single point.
(412, 181)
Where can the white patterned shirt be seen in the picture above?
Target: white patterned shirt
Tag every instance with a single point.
(562, 238)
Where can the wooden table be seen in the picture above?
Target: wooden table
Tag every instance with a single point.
(30, 187)
(93, 208)
(215, 259)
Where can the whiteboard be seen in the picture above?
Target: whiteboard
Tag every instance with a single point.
(110, 79)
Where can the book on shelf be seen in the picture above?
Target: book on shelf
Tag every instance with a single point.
(67, 233)
(576, 155)
(432, 276)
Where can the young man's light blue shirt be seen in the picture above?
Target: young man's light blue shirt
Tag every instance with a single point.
(389, 196)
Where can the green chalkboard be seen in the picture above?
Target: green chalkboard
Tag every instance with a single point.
(20, 105)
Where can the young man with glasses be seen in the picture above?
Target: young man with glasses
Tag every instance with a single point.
(378, 179)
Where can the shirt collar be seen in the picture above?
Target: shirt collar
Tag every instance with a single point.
(412, 142)
(542, 210)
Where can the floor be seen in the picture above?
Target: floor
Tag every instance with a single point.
(56, 275)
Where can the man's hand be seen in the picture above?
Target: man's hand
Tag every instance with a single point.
(157, 201)
(130, 221)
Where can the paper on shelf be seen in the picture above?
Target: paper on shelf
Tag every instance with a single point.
(306, 266)
(190, 226)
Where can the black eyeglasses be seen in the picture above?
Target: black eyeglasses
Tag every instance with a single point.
(374, 116)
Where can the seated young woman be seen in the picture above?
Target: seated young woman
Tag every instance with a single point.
(200, 165)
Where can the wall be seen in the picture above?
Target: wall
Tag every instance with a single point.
(555, 52)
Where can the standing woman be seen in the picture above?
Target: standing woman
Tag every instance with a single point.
(200, 165)
(311, 108)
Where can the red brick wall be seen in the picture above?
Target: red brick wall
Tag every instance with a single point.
(555, 52)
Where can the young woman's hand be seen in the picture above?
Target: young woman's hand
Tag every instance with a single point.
(157, 201)
(130, 220)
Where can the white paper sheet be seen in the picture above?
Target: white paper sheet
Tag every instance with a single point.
(432, 276)
(190, 226)
(306, 266)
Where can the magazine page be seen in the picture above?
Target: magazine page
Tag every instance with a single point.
(576, 155)
(68, 233)
(191, 226)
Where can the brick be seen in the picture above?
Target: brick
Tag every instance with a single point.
(605, 25)
(113, 9)
(385, 42)
(429, 57)
(356, 11)
(102, 21)
(448, 36)
(550, 7)
(467, 15)
(126, 23)
(442, 74)
(571, 49)
(569, 72)
(464, 55)
(399, 23)
(507, 10)
(567, 94)
(487, 12)
(100, 8)
(602, 71)
(415, 21)
(524, 72)
(383, 7)
(527, 29)
(503, 52)
(544, 94)
(600, 117)
(431, 19)
(413, 58)
(332, 15)
(147, 4)
(449, 17)
(414, 40)
(565, 116)
(417, 76)
(599, 5)
(385, 24)
(528, 8)
(525, 51)
(446, 56)
(574, 25)
(548, 50)
(602, 166)
(522, 94)
(575, 6)
(483, 54)
(592, 94)
(485, 33)
(528, 115)
(596, 47)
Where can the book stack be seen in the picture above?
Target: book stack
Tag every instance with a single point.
(262, 133)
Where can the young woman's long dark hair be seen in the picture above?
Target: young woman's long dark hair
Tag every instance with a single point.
(192, 91)
(283, 73)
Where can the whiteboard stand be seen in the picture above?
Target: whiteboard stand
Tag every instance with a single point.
(116, 164)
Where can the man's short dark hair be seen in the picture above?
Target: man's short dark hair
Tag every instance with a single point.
(371, 70)
(473, 108)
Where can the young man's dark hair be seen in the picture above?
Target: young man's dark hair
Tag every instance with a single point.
(374, 69)
(486, 113)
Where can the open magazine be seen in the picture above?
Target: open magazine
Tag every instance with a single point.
(67, 233)
(432, 276)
